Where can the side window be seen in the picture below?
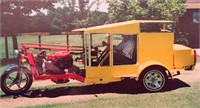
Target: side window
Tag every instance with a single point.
(125, 49)
(99, 52)
(196, 17)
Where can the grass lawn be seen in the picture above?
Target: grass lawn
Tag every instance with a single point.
(188, 97)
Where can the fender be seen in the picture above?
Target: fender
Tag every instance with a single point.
(148, 64)
(13, 67)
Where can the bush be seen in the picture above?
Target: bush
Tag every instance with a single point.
(181, 38)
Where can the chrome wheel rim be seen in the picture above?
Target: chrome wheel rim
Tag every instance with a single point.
(154, 80)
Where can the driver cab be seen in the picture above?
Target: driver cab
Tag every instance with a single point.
(99, 60)
(101, 55)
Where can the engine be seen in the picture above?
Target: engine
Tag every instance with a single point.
(55, 63)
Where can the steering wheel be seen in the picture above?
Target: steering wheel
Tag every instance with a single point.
(103, 54)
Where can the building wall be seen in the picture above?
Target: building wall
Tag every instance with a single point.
(190, 23)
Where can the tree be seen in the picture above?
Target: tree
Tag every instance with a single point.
(166, 9)
(122, 10)
(56, 17)
(73, 14)
(39, 23)
(97, 18)
(15, 15)
(86, 17)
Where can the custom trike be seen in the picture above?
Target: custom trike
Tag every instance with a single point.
(58, 67)
(155, 58)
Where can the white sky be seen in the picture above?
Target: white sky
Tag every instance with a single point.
(103, 6)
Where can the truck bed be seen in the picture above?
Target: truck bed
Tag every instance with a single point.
(184, 57)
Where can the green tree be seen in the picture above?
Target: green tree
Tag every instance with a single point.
(15, 15)
(39, 23)
(97, 18)
(56, 17)
(86, 17)
(166, 9)
(123, 10)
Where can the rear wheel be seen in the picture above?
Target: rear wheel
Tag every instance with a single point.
(16, 81)
(154, 79)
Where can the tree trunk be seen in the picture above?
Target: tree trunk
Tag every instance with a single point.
(6, 47)
(15, 43)
(40, 41)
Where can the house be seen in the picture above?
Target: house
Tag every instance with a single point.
(190, 23)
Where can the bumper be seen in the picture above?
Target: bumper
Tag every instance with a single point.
(190, 68)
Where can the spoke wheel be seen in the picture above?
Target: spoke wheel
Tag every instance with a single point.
(16, 81)
(154, 80)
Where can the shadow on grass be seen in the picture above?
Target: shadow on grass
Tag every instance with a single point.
(124, 87)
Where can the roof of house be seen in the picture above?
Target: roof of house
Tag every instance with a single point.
(193, 1)
(193, 4)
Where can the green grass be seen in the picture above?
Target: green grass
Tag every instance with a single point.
(180, 98)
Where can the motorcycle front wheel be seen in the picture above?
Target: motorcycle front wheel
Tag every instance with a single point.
(16, 81)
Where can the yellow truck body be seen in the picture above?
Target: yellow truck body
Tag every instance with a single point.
(154, 50)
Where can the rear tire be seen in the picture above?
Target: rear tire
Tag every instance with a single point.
(153, 80)
(12, 84)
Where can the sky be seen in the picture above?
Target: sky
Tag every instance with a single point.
(103, 6)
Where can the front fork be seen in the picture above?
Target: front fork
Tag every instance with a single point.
(18, 78)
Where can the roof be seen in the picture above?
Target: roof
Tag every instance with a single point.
(193, 1)
(127, 27)
(193, 4)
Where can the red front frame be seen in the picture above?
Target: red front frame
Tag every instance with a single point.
(54, 78)
(52, 47)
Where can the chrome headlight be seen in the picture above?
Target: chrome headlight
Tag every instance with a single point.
(16, 52)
